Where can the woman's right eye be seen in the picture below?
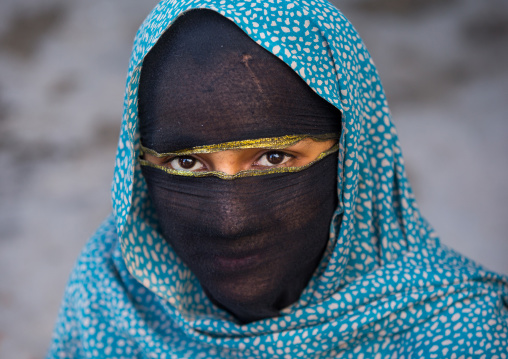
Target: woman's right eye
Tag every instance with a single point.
(186, 163)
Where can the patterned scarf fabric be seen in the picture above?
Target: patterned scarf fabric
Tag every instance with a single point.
(385, 288)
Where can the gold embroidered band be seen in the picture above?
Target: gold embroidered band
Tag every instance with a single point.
(276, 143)
(271, 143)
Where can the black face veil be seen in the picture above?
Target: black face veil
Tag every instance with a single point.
(252, 242)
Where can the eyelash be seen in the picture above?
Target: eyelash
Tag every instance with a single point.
(286, 157)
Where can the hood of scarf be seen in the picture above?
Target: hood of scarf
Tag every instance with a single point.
(381, 259)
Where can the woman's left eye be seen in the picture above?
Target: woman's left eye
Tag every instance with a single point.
(273, 158)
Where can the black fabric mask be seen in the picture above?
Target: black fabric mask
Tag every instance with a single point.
(252, 242)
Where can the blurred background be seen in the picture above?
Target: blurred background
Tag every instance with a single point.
(63, 64)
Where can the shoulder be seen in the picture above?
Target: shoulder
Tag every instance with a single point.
(88, 322)
(95, 257)
(99, 269)
(95, 263)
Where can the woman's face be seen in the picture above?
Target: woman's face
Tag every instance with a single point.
(253, 242)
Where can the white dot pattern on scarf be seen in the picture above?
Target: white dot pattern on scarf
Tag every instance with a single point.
(385, 288)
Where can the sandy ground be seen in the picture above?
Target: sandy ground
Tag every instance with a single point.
(62, 74)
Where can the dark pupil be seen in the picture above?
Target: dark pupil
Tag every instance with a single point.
(275, 157)
(187, 162)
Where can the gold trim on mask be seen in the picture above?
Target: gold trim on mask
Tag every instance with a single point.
(271, 143)
(275, 143)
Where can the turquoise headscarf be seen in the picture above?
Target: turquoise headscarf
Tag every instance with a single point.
(385, 287)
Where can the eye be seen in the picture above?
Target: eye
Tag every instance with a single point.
(186, 163)
(273, 158)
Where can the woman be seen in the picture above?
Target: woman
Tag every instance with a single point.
(261, 207)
